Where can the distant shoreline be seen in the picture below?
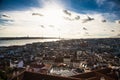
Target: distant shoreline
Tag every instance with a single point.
(20, 38)
(18, 41)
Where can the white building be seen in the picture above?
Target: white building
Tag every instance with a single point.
(20, 64)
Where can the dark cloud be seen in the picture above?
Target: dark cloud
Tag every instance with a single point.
(67, 12)
(5, 16)
(37, 14)
(88, 19)
(112, 30)
(42, 26)
(5, 21)
(104, 21)
(84, 28)
(77, 17)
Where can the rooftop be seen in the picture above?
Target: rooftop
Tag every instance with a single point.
(95, 75)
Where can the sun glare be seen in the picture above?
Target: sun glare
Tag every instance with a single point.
(53, 15)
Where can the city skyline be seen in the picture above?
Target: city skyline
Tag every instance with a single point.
(60, 18)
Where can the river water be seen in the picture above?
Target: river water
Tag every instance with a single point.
(23, 41)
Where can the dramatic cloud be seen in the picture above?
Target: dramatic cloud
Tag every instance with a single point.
(27, 24)
(50, 19)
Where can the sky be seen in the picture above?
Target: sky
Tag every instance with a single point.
(60, 18)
